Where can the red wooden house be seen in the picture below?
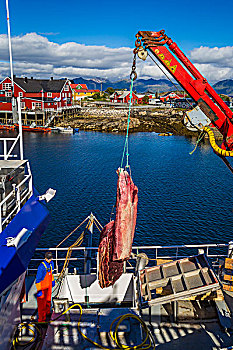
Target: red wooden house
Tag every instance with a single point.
(171, 96)
(123, 97)
(37, 93)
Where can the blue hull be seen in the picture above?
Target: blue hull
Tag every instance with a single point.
(34, 217)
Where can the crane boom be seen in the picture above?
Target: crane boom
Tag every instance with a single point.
(186, 74)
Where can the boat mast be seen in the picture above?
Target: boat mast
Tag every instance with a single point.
(19, 138)
(14, 108)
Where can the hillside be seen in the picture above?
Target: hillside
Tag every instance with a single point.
(152, 85)
(140, 85)
(224, 87)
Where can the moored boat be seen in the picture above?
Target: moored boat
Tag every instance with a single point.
(34, 128)
(65, 130)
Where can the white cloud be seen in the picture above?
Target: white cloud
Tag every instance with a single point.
(35, 55)
(214, 63)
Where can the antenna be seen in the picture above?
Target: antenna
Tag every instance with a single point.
(14, 107)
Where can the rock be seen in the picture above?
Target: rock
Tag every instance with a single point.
(115, 120)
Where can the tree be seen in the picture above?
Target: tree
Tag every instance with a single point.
(145, 99)
(96, 96)
(110, 90)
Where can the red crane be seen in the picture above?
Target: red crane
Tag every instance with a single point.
(187, 75)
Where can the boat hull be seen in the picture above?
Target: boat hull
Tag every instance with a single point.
(10, 314)
(34, 129)
(32, 220)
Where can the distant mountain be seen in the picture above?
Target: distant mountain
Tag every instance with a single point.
(152, 85)
(140, 85)
(224, 87)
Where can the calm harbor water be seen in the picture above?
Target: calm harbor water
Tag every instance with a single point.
(182, 198)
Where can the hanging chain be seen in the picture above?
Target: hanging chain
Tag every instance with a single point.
(133, 74)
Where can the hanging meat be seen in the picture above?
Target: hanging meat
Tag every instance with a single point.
(109, 270)
(126, 215)
(116, 238)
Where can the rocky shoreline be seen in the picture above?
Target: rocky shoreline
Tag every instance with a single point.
(115, 120)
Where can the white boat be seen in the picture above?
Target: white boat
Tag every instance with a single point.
(65, 130)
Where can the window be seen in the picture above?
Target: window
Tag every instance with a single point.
(49, 94)
(20, 94)
(22, 105)
(6, 86)
(63, 94)
(66, 88)
(36, 105)
(8, 94)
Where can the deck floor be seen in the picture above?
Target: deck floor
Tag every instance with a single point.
(168, 335)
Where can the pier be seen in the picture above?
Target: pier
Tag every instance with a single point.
(41, 117)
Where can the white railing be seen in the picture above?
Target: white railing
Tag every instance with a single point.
(60, 109)
(215, 253)
(12, 203)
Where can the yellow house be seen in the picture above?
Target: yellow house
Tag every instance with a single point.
(80, 91)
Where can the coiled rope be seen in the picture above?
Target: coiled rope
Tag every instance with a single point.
(77, 243)
(146, 344)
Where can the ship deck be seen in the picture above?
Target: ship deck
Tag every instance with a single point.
(195, 325)
(194, 320)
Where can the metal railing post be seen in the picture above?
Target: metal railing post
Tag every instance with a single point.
(87, 265)
(56, 253)
(18, 199)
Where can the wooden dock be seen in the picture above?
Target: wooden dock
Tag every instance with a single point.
(40, 117)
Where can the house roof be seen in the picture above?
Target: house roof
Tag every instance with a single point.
(79, 86)
(36, 85)
(125, 93)
(172, 94)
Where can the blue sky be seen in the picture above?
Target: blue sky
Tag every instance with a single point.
(114, 24)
